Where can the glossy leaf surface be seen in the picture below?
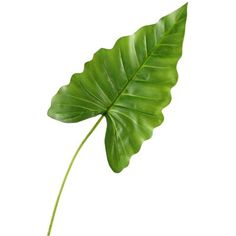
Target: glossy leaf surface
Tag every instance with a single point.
(128, 84)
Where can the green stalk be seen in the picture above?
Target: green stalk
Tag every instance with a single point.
(67, 173)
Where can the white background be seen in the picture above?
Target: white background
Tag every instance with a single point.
(182, 182)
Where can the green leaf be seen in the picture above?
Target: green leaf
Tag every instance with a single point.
(128, 84)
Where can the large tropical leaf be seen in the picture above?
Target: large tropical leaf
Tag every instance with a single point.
(128, 84)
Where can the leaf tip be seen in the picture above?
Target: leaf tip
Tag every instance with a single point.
(184, 8)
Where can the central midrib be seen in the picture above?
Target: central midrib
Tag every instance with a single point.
(130, 80)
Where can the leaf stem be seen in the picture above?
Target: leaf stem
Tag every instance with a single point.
(67, 173)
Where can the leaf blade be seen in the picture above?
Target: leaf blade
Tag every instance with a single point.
(129, 84)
